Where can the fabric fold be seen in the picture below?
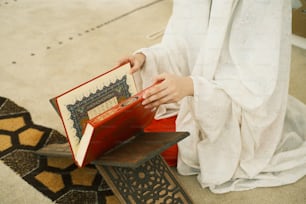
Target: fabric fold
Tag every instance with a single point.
(243, 134)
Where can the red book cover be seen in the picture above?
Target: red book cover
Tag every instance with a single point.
(113, 128)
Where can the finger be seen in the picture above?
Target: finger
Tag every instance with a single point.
(135, 66)
(154, 109)
(159, 96)
(154, 90)
(157, 103)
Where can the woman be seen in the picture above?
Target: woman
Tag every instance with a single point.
(223, 68)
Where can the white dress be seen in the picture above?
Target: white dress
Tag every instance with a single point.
(245, 131)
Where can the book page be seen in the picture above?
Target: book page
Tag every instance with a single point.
(90, 99)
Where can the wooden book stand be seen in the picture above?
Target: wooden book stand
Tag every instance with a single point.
(135, 171)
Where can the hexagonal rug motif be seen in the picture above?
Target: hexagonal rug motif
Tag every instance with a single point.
(57, 178)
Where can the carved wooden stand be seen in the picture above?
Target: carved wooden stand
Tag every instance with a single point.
(137, 173)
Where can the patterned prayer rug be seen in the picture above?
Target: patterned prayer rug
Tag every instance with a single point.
(57, 178)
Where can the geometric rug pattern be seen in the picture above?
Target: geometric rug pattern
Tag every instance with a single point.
(57, 178)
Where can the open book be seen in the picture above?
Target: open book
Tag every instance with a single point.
(102, 113)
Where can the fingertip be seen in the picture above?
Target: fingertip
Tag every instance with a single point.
(144, 96)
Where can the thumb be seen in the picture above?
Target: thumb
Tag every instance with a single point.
(135, 66)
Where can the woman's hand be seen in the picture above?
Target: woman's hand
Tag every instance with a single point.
(169, 88)
(136, 61)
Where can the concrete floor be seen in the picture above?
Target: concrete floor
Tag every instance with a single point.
(50, 46)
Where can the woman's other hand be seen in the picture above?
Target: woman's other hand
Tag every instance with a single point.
(169, 88)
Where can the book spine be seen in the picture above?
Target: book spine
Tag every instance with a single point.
(102, 117)
(124, 105)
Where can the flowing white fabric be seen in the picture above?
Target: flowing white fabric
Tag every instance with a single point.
(244, 130)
